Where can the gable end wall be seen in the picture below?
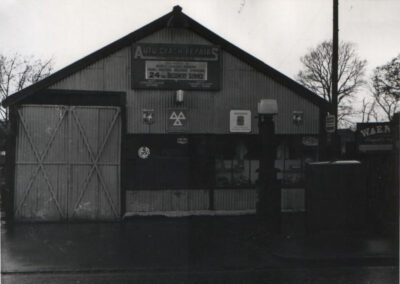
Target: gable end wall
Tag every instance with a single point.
(241, 88)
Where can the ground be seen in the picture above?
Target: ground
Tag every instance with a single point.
(191, 250)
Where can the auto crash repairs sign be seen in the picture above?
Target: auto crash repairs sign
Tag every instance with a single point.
(173, 66)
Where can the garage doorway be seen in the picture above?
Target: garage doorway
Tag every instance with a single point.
(67, 163)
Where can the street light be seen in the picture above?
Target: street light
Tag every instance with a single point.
(268, 191)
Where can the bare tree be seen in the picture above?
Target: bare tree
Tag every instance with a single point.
(368, 111)
(317, 75)
(18, 72)
(386, 87)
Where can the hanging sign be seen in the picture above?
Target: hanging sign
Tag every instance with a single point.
(176, 66)
(240, 121)
(177, 120)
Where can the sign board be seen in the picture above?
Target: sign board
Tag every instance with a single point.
(310, 141)
(375, 136)
(330, 125)
(177, 120)
(176, 66)
(182, 140)
(176, 70)
(240, 121)
(148, 116)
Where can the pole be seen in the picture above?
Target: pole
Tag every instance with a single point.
(268, 204)
(335, 48)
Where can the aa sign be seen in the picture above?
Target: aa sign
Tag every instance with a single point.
(177, 120)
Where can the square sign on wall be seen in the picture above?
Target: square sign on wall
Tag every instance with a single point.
(240, 121)
(177, 120)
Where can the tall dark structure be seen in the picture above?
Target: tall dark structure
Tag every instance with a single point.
(335, 47)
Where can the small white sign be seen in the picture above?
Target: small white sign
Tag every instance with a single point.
(330, 123)
(240, 121)
(144, 152)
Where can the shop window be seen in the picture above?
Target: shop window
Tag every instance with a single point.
(292, 157)
(208, 161)
(236, 161)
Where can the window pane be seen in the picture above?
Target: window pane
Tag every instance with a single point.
(236, 160)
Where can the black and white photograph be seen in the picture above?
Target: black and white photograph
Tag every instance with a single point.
(199, 141)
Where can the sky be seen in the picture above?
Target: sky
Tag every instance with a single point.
(277, 32)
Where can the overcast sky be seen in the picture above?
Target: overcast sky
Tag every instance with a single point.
(278, 32)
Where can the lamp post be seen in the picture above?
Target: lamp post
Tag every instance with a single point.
(268, 191)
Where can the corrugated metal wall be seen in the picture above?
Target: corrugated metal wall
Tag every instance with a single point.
(242, 88)
(175, 36)
(139, 201)
(158, 201)
(235, 199)
(166, 200)
(111, 73)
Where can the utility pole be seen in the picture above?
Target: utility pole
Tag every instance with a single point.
(335, 48)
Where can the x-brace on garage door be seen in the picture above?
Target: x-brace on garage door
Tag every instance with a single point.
(67, 163)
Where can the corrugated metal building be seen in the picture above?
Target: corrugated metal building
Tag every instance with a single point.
(162, 121)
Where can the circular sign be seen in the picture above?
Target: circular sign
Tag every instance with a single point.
(144, 152)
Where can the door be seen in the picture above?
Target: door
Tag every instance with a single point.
(67, 163)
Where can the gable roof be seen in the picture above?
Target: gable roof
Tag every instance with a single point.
(175, 18)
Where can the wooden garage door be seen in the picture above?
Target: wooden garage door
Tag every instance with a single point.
(67, 163)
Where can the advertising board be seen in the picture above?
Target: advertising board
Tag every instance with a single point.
(176, 66)
(374, 136)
